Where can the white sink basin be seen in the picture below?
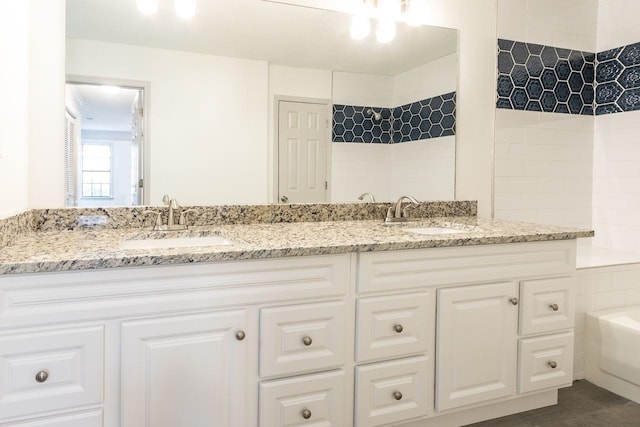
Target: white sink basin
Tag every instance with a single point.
(174, 240)
(434, 230)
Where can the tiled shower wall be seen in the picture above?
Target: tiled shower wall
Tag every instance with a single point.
(433, 117)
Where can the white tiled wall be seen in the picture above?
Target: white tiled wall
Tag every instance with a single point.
(543, 167)
(616, 181)
(617, 23)
(599, 289)
(563, 23)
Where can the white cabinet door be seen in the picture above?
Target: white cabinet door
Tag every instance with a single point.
(185, 370)
(476, 344)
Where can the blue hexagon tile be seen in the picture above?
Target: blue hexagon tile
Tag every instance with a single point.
(617, 85)
(429, 118)
(533, 77)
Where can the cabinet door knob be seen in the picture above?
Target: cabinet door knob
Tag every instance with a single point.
(398, 328)
(306, 414)
(552, 364)
(42, 376)
(307, 341)
(240, 335)
(514, 301)
(397, 395)
(554, 307)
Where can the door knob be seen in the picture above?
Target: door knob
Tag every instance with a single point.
(554, 307)
(398, 328)
(306, 414)
(240, 335)
(42, 376)
(514, 301)
(284, 199)
(552, 364)
(307, 341)
(397, 395)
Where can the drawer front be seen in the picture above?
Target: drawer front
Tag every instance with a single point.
(50, 370)
(547, 305)
(309, 400)
(545, 362)
(395, 325)
(302, 338)
(83, 419)
(391, 392)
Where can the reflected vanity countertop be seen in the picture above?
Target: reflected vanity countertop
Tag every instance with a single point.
(55, 251)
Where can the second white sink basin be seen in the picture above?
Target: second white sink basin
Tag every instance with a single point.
(434, 230)
(184, 239)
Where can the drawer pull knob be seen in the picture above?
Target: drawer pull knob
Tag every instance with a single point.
(306, 414)
(240, 335)
(554, 307)
(42, 376)
(514, 301)
(552, 364)
(307, 341)
(398, 328)
(397, 395)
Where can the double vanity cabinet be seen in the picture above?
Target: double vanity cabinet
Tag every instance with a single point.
(420, 337)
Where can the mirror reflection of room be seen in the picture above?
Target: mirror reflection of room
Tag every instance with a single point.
(215, 99)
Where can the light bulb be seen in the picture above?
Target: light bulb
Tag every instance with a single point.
(360, 27)
(185, 9)
(148, 7)
(385, 31)
(414, 13)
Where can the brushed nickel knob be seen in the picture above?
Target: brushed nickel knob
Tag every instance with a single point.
(284, 199)
(398, 328)
(240, 335)
(307, 341)
(554, 307)
(514, 301)
(306, 414)
(397, 395)
(552, 364)
(42, 376)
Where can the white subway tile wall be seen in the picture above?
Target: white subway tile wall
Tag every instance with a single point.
(543, 170)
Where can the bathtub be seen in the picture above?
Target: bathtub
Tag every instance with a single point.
(612, 350)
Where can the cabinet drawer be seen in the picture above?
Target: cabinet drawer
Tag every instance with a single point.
(395, 325)
(316, 400)
(83, 419)
(302, 338)
(50, 370)
(391, 392)
(545, 362)
(547, 305)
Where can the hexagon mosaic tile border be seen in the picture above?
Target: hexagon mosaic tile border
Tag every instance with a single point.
(425, 119)
(618, 80)
(534, 77)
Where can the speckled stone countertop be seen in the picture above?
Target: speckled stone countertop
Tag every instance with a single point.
(67, 250)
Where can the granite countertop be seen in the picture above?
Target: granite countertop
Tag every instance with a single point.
(54, 251)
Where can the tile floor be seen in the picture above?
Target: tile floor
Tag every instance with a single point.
(583, 405)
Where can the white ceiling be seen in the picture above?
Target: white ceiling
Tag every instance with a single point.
(102, 110)
(257, 29)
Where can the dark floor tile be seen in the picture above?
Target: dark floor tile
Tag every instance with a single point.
(582, 405)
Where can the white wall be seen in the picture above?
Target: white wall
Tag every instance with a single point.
(208, 118)
(617, 23)
(360, 168)
(46, 103)
(426, 81)
(544, 164)
(14, 125)
(365, 90)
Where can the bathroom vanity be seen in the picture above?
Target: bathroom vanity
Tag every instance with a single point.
(349, 323)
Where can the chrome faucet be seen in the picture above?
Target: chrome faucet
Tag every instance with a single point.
(369, 195)
(398, 214)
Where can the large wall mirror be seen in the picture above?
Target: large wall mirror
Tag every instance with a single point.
(253, 101)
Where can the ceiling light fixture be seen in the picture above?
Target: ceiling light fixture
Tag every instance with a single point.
(385, 30)
(148, 7)
(185, 9)
(387, 12)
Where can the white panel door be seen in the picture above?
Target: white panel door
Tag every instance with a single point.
(185, 370)
(476, 344)
(303, 145)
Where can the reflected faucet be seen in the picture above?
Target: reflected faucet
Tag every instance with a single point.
(171, 219)
(369, 195)
(398, 214)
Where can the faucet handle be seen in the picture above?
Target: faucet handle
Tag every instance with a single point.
(183, 216)
(158, 216)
